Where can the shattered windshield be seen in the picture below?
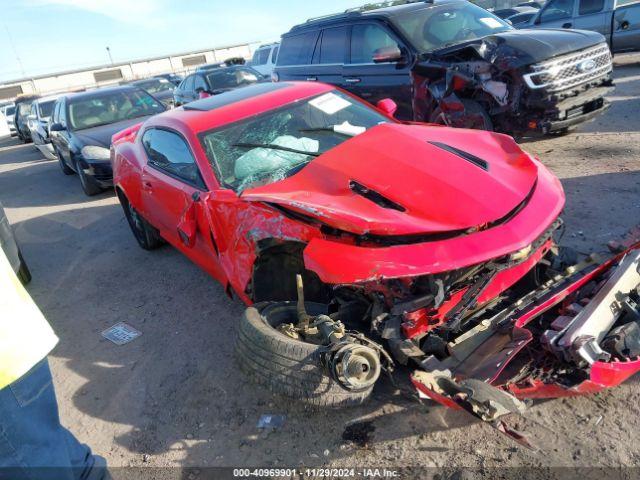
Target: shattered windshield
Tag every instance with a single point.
(278, 144)
(445, 25)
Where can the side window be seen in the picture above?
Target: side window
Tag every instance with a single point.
(34, 109)
(333, 44)
(199, 82)
(366, 39)
(557, 10)
(586, 7)
(55, 114)
(188, 84)
(274, 55)
(169, 152)
(297, 49)
(62, 113)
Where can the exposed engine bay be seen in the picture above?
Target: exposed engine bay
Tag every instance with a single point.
(577, 332)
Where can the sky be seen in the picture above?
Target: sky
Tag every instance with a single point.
(45, 36)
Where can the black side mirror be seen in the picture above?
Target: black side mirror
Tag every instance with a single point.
(56, 127)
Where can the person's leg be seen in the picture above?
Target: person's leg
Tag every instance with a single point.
(33, 444)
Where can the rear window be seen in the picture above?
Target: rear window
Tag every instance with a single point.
(261, 56)
(297, 49)
(46, 108)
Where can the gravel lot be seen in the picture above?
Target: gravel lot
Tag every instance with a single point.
(174, 396)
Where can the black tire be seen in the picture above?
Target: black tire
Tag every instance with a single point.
(63, 165)
(284, 365)
(147, 236)
(481, 120)
(89, 185)
(24, 274)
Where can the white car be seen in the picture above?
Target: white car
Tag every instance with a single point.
(9, 111)
(264, 58)
(38, 122)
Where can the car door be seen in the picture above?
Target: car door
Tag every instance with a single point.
(592, 16)
(556, 14)
(63, 137)
(374, 81)
(626, 28)
(173, 196)
(330, 55)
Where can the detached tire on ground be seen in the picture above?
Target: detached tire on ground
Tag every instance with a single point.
(284, 365)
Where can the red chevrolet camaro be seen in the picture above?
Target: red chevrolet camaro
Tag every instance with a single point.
(424, 231)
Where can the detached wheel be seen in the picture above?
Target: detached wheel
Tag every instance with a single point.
(284, 365)
(89, 185)
(147, 236)
(23, 274)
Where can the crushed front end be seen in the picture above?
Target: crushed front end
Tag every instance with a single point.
(501, 84)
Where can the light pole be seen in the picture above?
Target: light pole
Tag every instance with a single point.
(110, 57)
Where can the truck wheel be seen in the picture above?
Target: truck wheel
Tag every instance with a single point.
(147, 236)
(284, 365)
(476, 117)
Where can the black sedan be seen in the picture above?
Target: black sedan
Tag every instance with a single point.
(82, 126)
(213, 81)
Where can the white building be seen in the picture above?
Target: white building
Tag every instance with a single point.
(118, 72)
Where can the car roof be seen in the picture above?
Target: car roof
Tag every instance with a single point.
(384, 12)
(228, 107)
(49, 98)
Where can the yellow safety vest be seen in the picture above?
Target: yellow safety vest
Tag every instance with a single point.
(25, 335)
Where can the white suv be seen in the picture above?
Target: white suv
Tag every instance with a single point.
(264, 58)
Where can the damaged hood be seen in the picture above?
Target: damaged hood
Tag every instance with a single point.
(517, 48)
(399, 179)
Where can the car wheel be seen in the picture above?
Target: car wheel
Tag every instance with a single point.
(147, 236)
(477, 117)
(63, 165)
(89, 185)
(23, 274)
(284, 365)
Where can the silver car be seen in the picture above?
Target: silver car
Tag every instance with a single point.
(11, 249)
(38, 122)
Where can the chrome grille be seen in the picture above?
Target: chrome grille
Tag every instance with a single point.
(570, 70)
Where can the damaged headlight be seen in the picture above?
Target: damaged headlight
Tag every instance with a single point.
(93, 152)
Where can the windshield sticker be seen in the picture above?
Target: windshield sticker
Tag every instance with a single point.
(491, 22)
(329, 103)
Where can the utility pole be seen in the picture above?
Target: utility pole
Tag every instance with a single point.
(110, 57)
(13, 47)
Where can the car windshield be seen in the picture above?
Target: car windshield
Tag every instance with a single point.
(223, 78)
(10, 110)
(46, 108)
(24, 108)
(156, 85)
(441, 26)
(111, 107)
(277, 144)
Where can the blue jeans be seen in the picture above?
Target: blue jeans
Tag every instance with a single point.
(33, 444)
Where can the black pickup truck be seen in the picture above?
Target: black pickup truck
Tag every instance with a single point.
(452, 62)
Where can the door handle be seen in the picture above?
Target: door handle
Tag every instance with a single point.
(566, 25)
(624, 25)
(353, 80)
(147, 185)
(312, 79)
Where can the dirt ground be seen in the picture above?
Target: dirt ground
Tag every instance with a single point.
(174, 396)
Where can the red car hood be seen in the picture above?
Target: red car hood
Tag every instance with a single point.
(432, 179)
